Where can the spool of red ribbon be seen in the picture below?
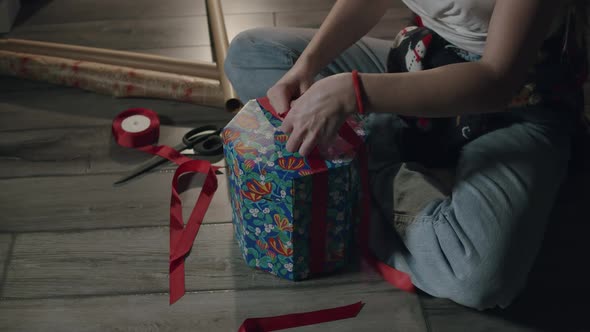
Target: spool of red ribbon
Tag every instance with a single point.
(136, 127)
(139, 128)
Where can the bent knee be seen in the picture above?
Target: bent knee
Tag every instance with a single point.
(259, 48)
(447, 263)
(485, 286)
(483, 293)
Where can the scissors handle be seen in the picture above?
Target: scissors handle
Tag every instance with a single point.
(205, 140)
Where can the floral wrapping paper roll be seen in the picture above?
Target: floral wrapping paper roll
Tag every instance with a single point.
(108, 79)
(271, 193)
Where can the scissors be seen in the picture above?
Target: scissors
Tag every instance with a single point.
(204, 141)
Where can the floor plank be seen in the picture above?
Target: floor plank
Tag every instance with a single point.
(121, 34)
(68, 11)
(385, 310)
(10, 84)
(77, 151)
(6, 242)
(50, 108)
(138, 34)
(446, 316)
(37, 12)
(132, 261)
(16, 116)
(90, 202)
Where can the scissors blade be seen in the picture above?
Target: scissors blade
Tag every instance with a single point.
(153, 162)
(144, 167)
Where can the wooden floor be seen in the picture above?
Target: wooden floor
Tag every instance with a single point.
(77, 254)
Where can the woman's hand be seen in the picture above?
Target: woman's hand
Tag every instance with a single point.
(317, 115)
(291, 86)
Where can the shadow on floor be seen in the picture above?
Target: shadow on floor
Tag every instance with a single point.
(28, 9)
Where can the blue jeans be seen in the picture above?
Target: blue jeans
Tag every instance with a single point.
(473, 239)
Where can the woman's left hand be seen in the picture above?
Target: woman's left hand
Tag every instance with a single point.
(317, 115)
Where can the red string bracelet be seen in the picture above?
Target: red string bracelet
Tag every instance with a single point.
(357, 91)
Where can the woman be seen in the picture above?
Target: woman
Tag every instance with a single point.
(443, 95)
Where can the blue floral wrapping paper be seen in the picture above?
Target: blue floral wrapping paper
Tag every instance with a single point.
(271, 196)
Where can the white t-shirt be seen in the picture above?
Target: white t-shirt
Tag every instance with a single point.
(463, 23)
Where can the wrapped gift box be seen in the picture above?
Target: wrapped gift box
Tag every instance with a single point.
(293, 216)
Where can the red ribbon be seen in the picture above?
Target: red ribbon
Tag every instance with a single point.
(319, 212)
(393, 276)
(418, 21)
(319, 197)
(300, 319)
(181, 237)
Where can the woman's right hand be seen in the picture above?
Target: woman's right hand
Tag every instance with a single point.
(347, 22)
(290, 87)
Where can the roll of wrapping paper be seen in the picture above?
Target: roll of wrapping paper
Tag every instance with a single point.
(113, 57)
(220, 46)
(108, 79)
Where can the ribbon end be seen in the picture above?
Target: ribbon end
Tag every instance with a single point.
(394, 277)
(250, 325)
(176, 278)
(356, 308)
(361, 304)
(175, 296)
